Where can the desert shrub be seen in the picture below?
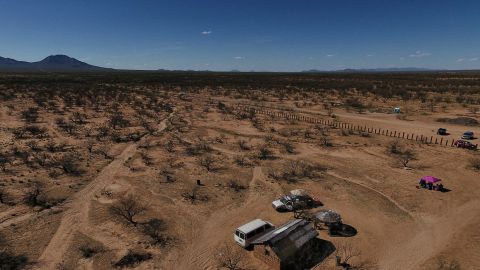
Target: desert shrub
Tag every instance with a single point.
(296, 170)
(475, 163)
(365, 134)
(88, 251)
(198, 148)
(69, 164)
(30, 130)
(265, 153)
(65, 127)
(102, 132)
(30, 115)
(345, 132)
(193, 196)
(404, 155)
(289, 147)
(168, 176)
(394, 147)
(147, 159)
(230, 257)
(78, 118)
(35, 196)
(354, 102)
(61, 266)
(235, 185)
(243, 161)
(53, 147)
(244, 145)
(117, 119)
(132, 259)
(4, 160)
(127, 209)
(155, 229)
(11, 261)
(210, 163)
(443, 264)
(3, 196)
(350, 257)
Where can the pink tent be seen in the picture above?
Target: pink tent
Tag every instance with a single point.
(431, 179)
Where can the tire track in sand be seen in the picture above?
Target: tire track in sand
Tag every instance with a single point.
(199, 254)
(76, 215)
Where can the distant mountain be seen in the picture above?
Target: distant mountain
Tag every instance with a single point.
(353, 70)
(11, 63)
(404, 69)
(51, 63)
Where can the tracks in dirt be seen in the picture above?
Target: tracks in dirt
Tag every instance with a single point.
(381, 194)
(76, 215)
(199, 254)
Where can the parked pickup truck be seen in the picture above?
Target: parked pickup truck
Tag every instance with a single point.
(465, 144)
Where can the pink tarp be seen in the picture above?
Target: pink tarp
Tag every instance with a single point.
(431, 179)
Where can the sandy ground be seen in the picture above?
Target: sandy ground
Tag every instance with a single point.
(398, 225)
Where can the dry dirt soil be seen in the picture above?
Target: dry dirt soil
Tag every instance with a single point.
(200, 138)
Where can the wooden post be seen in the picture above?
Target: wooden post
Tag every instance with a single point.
(431, 139)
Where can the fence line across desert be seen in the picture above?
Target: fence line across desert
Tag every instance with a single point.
(344, 125)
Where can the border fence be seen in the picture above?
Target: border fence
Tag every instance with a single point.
(348, 126)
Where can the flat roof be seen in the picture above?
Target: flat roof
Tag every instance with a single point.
(252, 225)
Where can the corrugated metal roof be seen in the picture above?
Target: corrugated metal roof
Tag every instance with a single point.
(252, 225)
(289, 237)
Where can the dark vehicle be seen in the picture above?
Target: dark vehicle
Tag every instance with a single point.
(465, 144)
(468, 135)
(442, 131)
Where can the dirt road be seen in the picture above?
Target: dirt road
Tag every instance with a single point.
(76, 214)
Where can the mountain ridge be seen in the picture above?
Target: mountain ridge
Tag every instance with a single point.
(58, 62)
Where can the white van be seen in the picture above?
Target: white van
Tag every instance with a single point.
(245, 234)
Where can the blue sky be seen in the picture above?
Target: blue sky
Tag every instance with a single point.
(277, 35)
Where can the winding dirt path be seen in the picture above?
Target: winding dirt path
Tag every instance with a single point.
(432, 235)
(381, 194)
(76, 216)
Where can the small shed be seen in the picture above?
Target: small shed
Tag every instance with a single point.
(280, 247)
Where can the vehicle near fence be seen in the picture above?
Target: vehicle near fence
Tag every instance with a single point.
(442, 131)
(468, 135)
(465, 144)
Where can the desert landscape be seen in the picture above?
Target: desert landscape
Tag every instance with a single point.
(156, 170)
